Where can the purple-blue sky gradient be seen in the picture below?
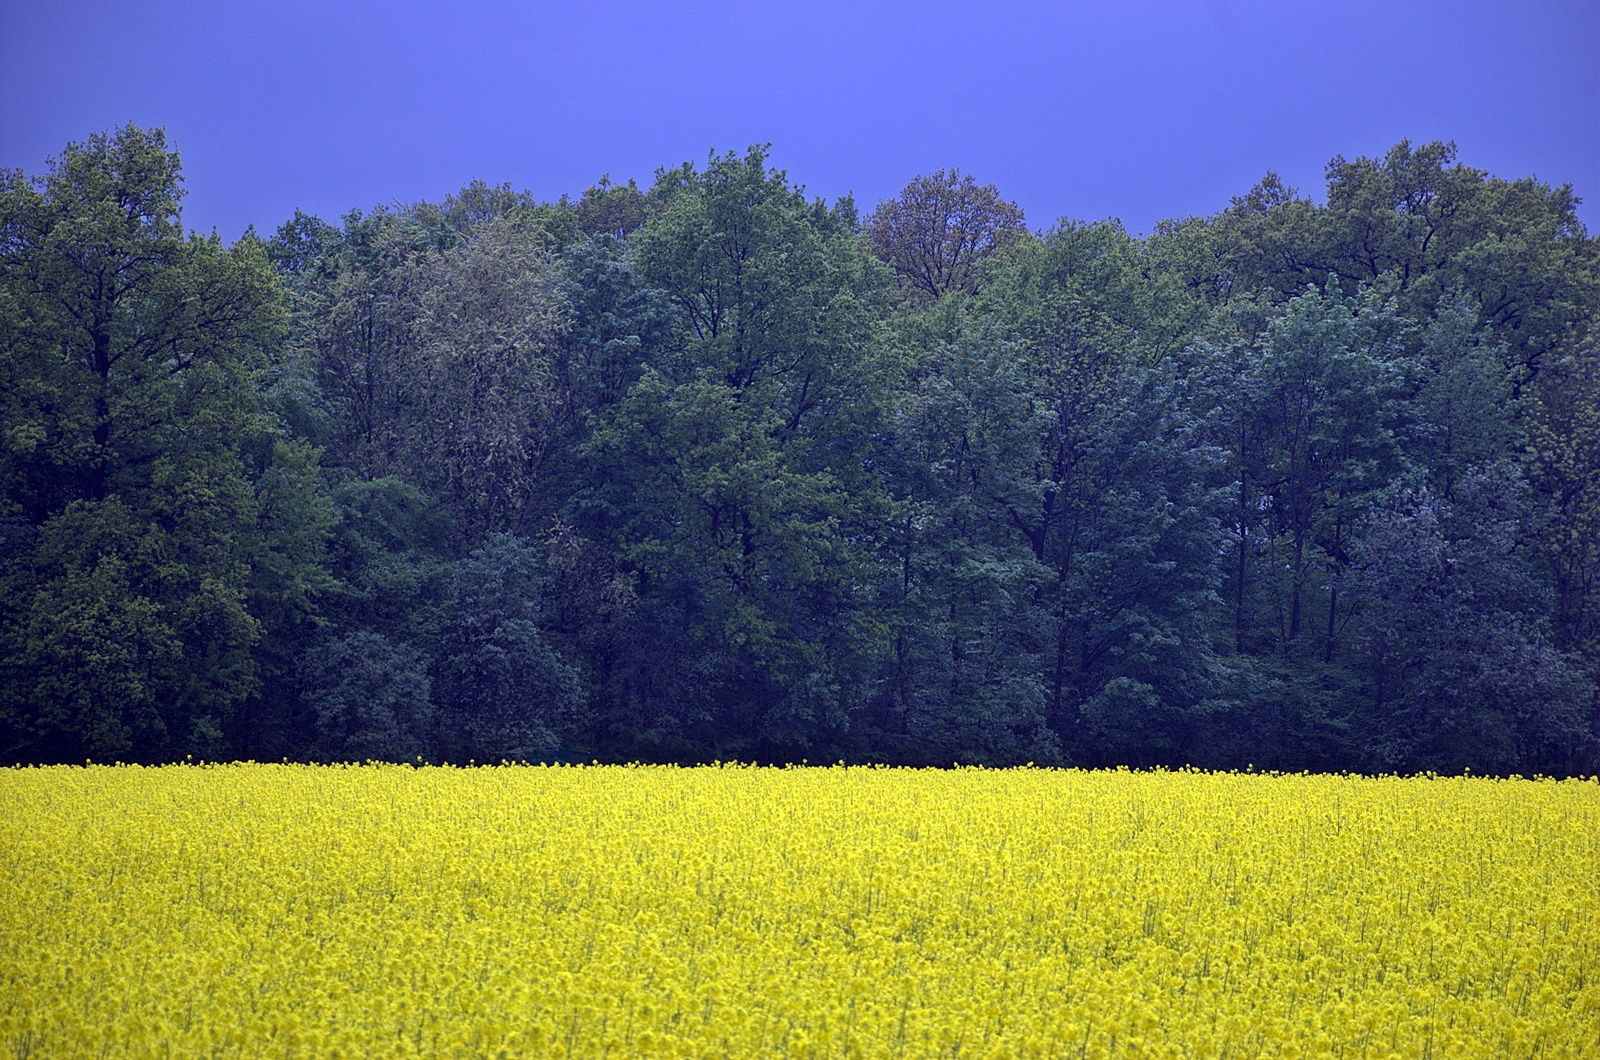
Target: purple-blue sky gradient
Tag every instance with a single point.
(1141, 109)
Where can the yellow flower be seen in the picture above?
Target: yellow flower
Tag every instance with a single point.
(377, 911)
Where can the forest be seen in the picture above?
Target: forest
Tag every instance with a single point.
(712, 470)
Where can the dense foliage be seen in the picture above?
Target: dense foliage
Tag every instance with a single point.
(274, 910)
(712, 470)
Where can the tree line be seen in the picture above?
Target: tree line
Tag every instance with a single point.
(713, 470)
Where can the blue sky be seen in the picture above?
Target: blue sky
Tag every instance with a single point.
(1140, 109)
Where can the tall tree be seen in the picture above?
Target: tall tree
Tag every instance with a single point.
(1107, 496)
(353, 313)
(733, 468)
(1327, 385)
(963, 678)
(371, 698)
(162, 505)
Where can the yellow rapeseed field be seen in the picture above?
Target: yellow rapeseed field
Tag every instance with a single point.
(292, 911)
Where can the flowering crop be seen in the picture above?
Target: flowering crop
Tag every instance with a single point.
(301, 911)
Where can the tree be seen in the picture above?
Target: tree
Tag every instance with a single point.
(371, 698)
(95, 658)
(138, 456)
(731, 475)
(504, 693)
(391, 550)
(716, 471)
(615, 322)
(1114, 506)
(964, 676)
(1561, 415)
(1327, 383)
(436, 351)
(353, 312)
(612, 209)
(489, 404)
(1425, 224)
(1455, 638)
(940, 229)
(1417, 226)
(1465, 415)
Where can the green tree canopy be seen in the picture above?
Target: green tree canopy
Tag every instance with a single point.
(158, 495)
